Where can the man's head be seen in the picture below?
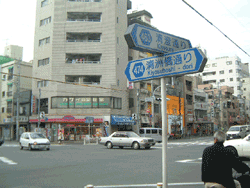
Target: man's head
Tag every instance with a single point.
(219, 136)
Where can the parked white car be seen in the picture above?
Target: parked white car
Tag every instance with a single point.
(240, 147)
(127, 139)
(34, 140)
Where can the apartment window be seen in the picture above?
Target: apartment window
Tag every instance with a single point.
(4, 77)
(3, 110)
(231, 79)
(3, 94)
(222, 80)
(237, 62)
(222, 72)
(238, 87)
(43, 83)
(229, 63)
(44, 41)
(118, 61)
(117, 20)
(117, 103)
(189, 85)
(231, 71)
(214, 65)
(94, 80)
(44, 3)
(238, 79)
(45, 21)
(117, 40)
(43, 62)
(118, 82)
(189, 99)
(245, 89)
(238, 71)
(244, 97)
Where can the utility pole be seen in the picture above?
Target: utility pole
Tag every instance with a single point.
(219, 92)
(39, 118)
(138, 110)
(17, 100)
(152, 104)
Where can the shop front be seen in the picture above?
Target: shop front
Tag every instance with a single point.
(73, 128)
(122, 123)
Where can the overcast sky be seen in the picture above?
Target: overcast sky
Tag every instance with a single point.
(232, 17)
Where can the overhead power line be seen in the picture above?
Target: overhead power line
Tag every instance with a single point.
(62, 82)
(217, 28)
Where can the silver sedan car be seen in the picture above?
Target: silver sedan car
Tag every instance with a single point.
(127, 139)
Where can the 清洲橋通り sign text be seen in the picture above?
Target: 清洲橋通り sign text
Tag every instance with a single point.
(173, 64)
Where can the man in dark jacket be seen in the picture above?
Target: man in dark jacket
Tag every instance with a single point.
(218, 162)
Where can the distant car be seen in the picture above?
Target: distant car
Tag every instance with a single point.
(127, 139)
(238, 131)
(34, 140)
(240, 147)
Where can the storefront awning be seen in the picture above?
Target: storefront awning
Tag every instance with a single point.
(122, 120)
(10, 83)
(8, 100)
(10, 67)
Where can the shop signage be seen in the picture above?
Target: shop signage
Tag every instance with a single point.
(67, 119)
(122, 120)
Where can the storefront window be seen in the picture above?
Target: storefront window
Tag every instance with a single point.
(71, 102)
(83, 102)
(104, 102)
(95, 102)
(60, 102)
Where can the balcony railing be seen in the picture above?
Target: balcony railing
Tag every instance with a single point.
(83, 20)
(72, 40)
(9, 110)
(83, 62)
(87, 83)
(85, 0)
(9, 93)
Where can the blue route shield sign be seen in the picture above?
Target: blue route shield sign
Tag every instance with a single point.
(150, 40)
(174, 64)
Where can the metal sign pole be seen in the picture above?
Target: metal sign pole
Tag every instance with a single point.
(164, 133)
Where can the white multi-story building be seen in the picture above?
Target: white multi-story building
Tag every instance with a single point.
(227, 71)
(10, 85)
(80, 55)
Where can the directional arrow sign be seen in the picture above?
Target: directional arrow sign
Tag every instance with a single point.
(174, 64)
(150, 40)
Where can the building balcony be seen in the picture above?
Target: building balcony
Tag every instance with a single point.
(83, 58)
(9, 110)
(9, 93)
(83, 37)
(200, 106)
(83, 17)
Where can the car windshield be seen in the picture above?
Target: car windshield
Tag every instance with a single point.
(234, 129)
(37, 135)
(132, 134)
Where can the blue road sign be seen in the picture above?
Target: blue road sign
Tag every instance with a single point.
(174, 64)
(147, 39)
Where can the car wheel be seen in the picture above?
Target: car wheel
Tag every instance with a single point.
(109, 145)
(136, 145)
(21, 147)
(233, 150)
(48, 148)
(30, 148)
(121, 147)
(147, 147)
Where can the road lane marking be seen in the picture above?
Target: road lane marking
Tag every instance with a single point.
(8, 161)
(147, 185)
(190, 161)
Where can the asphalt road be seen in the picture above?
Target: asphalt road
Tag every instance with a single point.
(79, 165)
